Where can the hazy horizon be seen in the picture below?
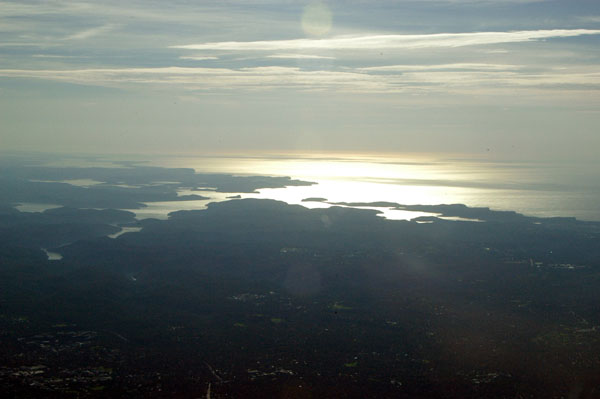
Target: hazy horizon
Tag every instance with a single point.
(511, 79)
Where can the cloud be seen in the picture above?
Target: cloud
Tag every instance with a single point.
(198, 58)
(443, 78)
(256, 78)
(300, 56)
(213, 13)
(18, 44)
(370, 42)
(56, 56)
(590, 18)
(440, 67)
(86, 34)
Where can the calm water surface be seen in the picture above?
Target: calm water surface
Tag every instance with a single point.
(536, 189)
(532, 188)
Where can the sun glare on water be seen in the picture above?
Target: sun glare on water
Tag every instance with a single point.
(357, 179)
(337, 178)
(407, 179)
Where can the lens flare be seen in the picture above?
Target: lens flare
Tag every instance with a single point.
(316, 19)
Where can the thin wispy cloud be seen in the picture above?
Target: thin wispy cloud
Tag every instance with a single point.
(474, 77)
(370, 42)
(301, 56)
(198, 58)
(440, 67)
(88, 33)
(590, 18)
(19, 44)
(58, 56)
(256, 78)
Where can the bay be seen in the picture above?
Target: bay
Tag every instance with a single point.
(534, 188)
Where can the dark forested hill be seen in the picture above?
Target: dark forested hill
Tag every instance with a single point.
(257, 298)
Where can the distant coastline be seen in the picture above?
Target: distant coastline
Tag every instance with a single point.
(154, 191)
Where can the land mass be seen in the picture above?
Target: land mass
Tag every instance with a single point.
(258, 298)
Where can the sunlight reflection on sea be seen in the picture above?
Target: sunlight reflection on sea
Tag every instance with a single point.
(536, 189)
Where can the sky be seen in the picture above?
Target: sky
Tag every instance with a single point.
(498, 78)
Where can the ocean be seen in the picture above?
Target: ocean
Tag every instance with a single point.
(534, 188)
